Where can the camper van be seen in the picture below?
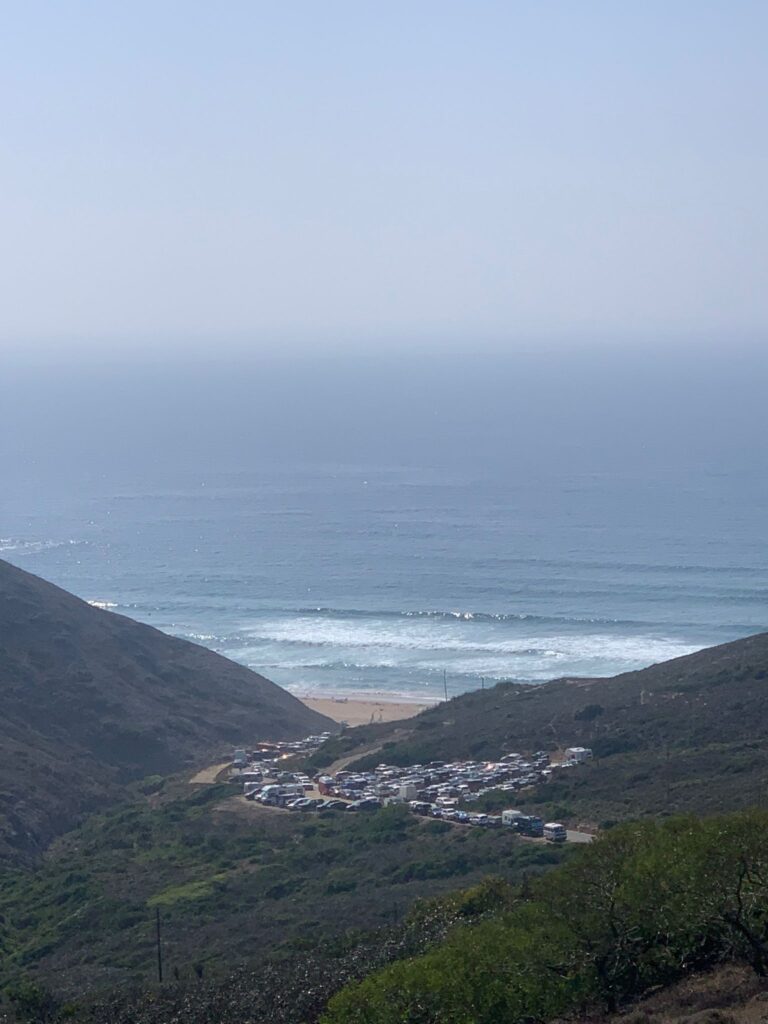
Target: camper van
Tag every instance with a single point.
(555, 832)
(510, 818)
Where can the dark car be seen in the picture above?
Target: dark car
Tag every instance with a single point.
(369, 803)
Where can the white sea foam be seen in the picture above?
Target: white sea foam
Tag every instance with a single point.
(440, 637)
(21, 546)
(104, 605)
(353, 648)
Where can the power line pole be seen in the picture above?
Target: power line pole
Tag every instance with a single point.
(445, 685)
(159, 947)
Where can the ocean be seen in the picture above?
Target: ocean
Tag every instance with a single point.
(346, 548)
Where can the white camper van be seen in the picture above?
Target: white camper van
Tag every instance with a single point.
(510, 817)
(555, 832)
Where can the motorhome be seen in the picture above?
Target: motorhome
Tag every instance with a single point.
(511, 818)
(578, 754)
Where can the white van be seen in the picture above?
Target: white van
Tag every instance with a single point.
(555, 832)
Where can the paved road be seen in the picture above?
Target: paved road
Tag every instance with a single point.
(579, 837)
(573, 837)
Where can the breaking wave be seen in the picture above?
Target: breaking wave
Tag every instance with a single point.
(20, 546)
(442, 636)
(305, 647)
(458, 615)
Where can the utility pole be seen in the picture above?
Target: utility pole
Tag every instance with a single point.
(482, 682)
(445, 685)
(159, 947)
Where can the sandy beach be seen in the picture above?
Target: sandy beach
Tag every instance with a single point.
(362, 710)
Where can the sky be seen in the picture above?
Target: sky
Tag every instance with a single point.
(182, 176)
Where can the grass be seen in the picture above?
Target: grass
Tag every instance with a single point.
(233, 881)
(190, 891)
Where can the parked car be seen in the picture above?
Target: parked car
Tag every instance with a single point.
(304, 803)
(420, 807)
(331, 805)
(366, 804)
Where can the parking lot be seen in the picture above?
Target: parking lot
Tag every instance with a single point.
(438, 790)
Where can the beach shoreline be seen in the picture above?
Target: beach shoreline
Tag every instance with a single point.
(363, 709)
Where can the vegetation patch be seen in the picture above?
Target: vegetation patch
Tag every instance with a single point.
(190, 891)
(232, 881)
(643, 907)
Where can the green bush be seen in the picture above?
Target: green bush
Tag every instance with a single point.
(639, 908)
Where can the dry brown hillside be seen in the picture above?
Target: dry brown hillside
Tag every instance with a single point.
(727, 995)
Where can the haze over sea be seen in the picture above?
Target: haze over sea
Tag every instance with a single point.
(365, 528)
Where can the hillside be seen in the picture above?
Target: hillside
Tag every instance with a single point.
(646, 906)
(685, 735)
(91, 700)
(654, 921)
(731, 994)
(234, 882)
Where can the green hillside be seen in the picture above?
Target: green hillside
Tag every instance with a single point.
(233, 881)
(685, 735)
(641, 908)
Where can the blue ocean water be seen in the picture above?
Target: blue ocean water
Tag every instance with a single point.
(355, 580)
(438, 556)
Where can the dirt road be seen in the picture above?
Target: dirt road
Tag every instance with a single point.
(208, 776)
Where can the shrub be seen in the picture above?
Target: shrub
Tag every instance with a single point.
(639, 908)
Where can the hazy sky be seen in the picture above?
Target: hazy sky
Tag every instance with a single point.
(359, 173)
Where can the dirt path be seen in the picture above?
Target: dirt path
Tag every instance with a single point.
(342, 762)
(208, 776)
